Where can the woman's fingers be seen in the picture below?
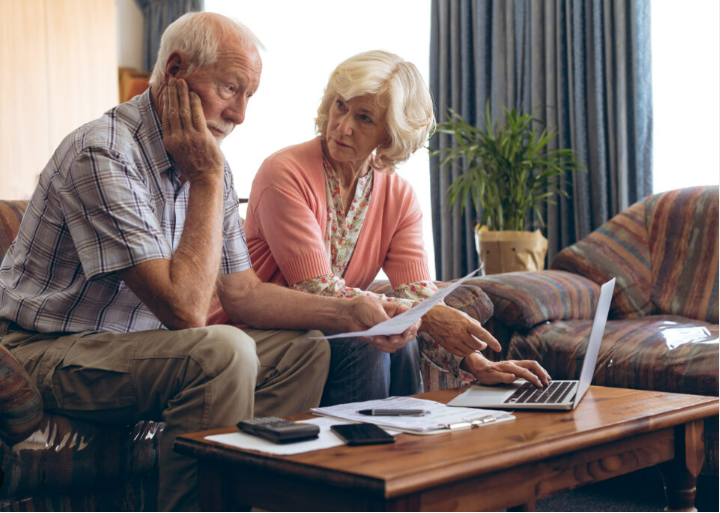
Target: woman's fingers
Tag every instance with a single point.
(411, 332)
(491, 373)
(388, 344)
(494, 376)
(536, 369)
(457, 332)
(481, 334)
(528, 370)
(483, 344)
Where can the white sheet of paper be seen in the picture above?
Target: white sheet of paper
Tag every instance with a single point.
(325, 439)
(400, 323)
(438, 420)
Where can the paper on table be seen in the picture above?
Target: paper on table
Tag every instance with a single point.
(401, 322)
(325, 439)
(440, 419)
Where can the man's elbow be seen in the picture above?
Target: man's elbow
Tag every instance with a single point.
(179, 320)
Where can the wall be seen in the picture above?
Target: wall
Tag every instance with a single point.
(58, 63)
(129, 34)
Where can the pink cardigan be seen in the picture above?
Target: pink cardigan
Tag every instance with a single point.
(287, 214)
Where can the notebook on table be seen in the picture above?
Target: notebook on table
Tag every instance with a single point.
(561, 394)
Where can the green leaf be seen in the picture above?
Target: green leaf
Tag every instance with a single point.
(507, 170)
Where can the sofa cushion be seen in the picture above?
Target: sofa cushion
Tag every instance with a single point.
(683, 239)
(20, 403)
(524, 299)
(11, 213)
(663, 252)
(618, 249)
(666, 353)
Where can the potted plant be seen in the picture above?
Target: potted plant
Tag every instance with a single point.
(509, 171)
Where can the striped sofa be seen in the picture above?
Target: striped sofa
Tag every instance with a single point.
(56, 463)
(662, 332)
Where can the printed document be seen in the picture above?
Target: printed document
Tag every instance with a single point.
(400, 323)
(440, 419)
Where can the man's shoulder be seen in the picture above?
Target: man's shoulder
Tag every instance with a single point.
(118, 131)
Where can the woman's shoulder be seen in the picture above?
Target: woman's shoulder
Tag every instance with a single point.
(394, 185)
(395, 196)
(297, 155)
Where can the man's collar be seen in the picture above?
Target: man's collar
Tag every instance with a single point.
(160, 157)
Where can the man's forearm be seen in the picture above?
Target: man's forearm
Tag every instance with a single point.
(178, 291)
(273, 306)
(195, 264)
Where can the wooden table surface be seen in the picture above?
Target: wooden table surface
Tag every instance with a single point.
(612, 432)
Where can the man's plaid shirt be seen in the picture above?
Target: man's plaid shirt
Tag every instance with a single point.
(108, 199)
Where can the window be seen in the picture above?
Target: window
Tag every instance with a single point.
(686, 93)
(304, 42)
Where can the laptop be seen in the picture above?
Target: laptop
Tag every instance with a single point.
(560, 395)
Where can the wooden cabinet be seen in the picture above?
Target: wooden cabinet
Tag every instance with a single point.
(58, 70)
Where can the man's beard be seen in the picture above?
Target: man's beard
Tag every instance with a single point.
(225, 128)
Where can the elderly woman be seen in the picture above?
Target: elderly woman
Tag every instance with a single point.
(326, 215)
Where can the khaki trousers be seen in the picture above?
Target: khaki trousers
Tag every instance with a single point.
(193, 380)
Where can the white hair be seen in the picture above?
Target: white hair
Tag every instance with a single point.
(198, 35)
(398, 87)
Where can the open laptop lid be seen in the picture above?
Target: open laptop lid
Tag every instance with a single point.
(593, 347)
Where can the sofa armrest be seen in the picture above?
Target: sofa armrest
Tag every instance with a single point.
(472, 300)
(524, 299)
(20, 403)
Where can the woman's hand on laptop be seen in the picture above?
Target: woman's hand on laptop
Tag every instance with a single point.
(493, 373)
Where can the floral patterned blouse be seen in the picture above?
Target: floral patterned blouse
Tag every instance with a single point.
(341, 236)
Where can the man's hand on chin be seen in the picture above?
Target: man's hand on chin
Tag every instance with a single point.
(186, 135)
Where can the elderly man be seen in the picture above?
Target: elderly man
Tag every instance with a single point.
(131, 230)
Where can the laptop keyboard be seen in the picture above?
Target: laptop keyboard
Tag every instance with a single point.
(552, 394)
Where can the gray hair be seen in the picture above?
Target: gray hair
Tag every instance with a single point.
(397, 86)
(199, 35)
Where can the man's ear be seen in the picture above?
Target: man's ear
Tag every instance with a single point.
(176, 66)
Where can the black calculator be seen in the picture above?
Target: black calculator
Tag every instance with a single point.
(279, 431)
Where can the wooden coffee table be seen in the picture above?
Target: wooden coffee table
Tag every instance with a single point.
(506, 465)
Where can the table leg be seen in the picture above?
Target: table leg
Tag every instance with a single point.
(680, 475)
(213, 495)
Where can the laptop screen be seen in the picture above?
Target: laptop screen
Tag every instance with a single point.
(593, 347)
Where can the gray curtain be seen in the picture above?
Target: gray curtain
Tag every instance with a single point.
(585, 64)
(158, 15)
